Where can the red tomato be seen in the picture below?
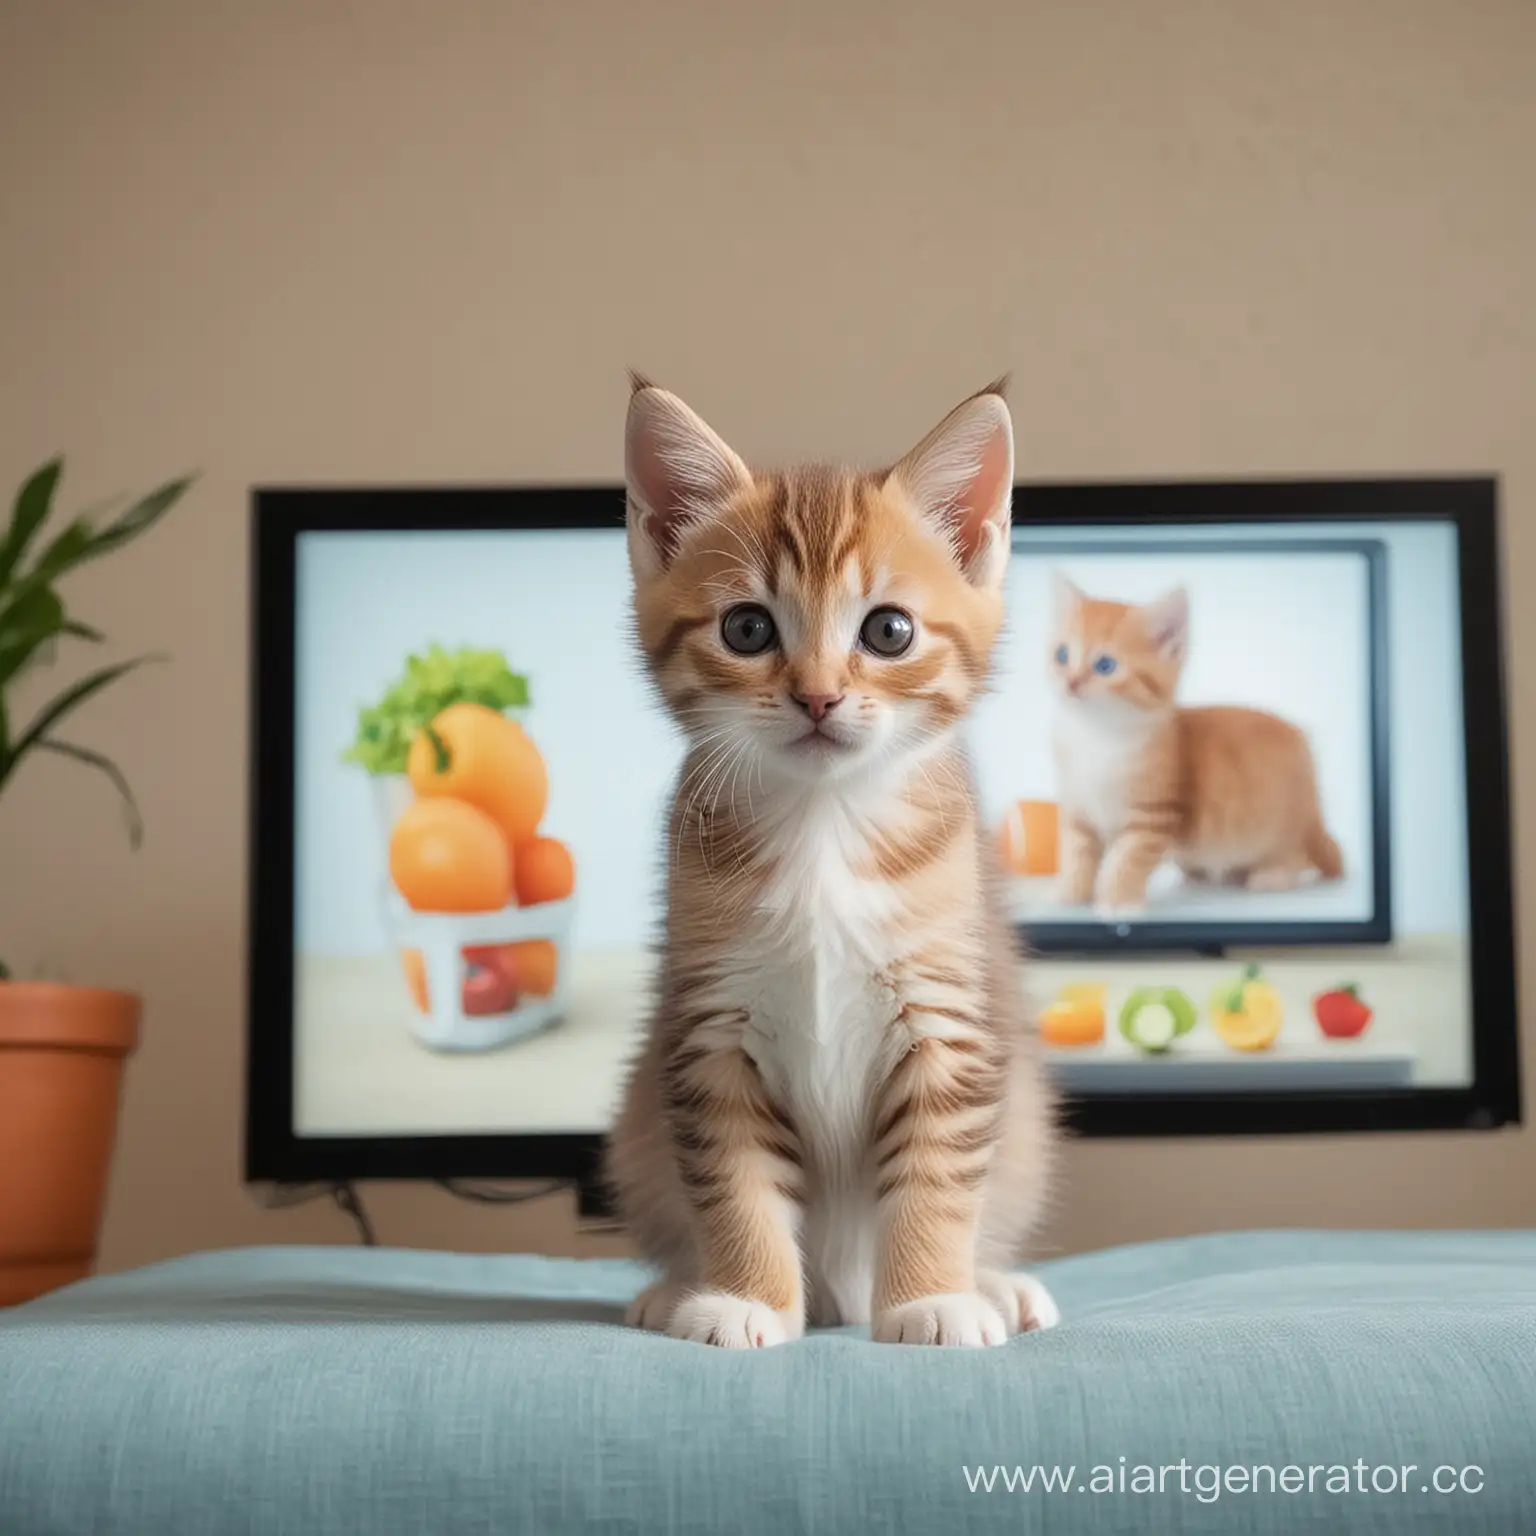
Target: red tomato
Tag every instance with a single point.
(1340, 1014)
(491, 985)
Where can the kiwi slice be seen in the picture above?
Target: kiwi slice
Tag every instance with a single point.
(1154, 1017)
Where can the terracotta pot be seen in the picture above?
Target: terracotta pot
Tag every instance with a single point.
(61, 1066)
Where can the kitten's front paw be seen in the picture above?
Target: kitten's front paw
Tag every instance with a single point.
(959, 1318)
(1120, 911)
(1037, 1307)
(652, 1308)
(1021, 1300)
(729, 1322)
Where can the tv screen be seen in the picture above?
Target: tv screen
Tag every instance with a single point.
(1242, 761)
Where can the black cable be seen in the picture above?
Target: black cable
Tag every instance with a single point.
(284, 1196)
(351, 1202)
(347, 1199)
(500, 1196)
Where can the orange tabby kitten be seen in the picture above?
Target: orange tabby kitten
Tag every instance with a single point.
(1229, 793)
(837, 1114)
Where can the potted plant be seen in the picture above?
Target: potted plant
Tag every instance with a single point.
(62, 1048)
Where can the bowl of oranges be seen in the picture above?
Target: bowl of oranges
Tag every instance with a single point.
(479, 898)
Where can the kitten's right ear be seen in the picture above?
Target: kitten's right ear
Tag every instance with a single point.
(1167, 620)
(960, 478)
(677, 469)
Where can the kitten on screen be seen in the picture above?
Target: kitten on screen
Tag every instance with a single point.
(1228, 793)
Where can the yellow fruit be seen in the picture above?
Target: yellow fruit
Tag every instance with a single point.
(1247, 1017)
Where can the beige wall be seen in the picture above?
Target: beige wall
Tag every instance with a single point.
(421, 242)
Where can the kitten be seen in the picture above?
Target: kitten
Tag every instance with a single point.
(837, 1115)
(1229, 793)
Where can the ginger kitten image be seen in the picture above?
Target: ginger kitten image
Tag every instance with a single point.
(837, 1114)
(1229, 793)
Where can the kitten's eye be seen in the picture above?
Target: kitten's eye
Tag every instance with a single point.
(1105, 665)
(1061, 655)
(887, 632)
(748, 630)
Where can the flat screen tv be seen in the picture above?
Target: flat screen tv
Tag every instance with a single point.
(1367, 982)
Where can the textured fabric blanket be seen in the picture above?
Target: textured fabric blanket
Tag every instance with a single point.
(1278, 1382)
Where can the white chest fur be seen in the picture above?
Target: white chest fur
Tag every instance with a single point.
(815, 961)
(1099, 751)
(814, 980)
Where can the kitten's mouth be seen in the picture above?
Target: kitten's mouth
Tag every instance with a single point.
(817, 742)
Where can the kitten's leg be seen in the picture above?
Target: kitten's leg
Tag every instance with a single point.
(1081, 853)
(1022, 1301)
(741, 1167)
(936, 1127)
(1129, 863)
(1278, 875)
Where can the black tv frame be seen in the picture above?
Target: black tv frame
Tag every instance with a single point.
(1210, 936)
(280, 515)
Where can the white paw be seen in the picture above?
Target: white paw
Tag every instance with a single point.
(958, 1318)
(1037, 1307)
(1022, 1302)
(730, 1322)
(652, 1308)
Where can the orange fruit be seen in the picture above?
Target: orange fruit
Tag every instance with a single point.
(545, 871)
(486, 760)
(446, 856)
(536, 963)
(416, 978)
(1076, 1017)
(1029, 837)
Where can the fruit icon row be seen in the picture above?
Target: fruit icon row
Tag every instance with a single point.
(1246, 1014)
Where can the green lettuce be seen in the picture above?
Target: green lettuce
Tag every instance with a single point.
(429, 685)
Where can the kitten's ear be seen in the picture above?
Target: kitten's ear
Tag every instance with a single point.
(1066, 595)
(676, 469)
(960, 477)
(1167, 620)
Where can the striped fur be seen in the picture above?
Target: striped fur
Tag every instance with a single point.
(837, 1113)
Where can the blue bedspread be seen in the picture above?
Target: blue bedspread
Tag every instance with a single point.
(1263, 1380)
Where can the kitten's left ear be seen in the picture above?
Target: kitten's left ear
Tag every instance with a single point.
(1167, 620)
(960, 477)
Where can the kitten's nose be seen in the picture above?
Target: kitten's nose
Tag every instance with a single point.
(817, 705)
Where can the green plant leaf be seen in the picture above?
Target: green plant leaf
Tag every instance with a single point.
(29, 514)
(5, 971)
(140, 516)
(26, 626)
(68, 549)
(64, 704)
(79, 631)
(104, 764)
